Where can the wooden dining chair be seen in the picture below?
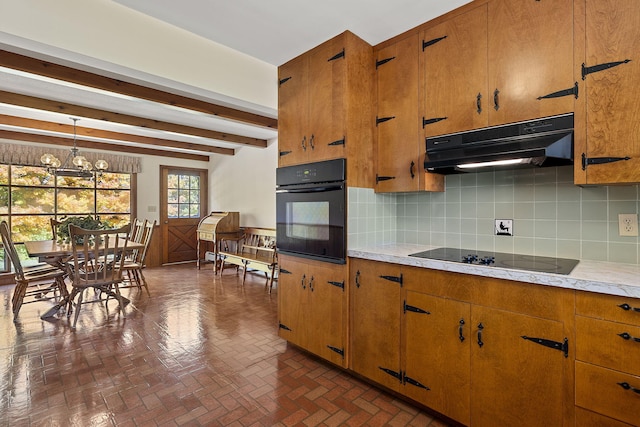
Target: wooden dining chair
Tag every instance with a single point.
(133, 267)
(97, 263)
(36, 283)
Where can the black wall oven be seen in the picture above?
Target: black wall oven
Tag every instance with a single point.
(311, 210)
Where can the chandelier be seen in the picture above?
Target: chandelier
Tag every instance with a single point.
(74, 165)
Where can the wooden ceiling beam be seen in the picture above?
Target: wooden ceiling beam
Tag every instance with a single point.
(55, 140)
(105, 134)
(108, 116)
(61, 72)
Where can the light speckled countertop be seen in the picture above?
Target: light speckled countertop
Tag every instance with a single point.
(594, 276)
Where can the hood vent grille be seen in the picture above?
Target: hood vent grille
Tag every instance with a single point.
(543, 142)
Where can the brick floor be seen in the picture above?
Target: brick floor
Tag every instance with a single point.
(201, 351)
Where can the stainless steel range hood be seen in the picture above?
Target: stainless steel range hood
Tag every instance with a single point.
(542, 142)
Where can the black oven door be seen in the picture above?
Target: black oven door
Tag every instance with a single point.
(310, 221)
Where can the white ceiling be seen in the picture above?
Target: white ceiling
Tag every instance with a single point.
(273, 31)
(278, 30)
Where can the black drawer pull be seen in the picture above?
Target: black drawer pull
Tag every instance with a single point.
(628, 386)
(626, 336)
(627, 307)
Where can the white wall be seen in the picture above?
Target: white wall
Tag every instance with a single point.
(246, 183)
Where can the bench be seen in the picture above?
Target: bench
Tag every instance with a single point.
(255, 250)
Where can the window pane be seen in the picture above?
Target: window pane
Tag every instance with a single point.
(183, 211)
(30, 175)
(115, 221)
(194, 211)
(75, 201)
(184, 196)
(31, 227)
(4, 200)
(172, 196)
(32, 200)
(4, 174)
(114, 180)
(185, 180)
(71, 181)
(194, 196)
(195, 182)
(172, 181)
(172, 210)
(113, 201)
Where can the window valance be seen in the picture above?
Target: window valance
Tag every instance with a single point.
(30, 155)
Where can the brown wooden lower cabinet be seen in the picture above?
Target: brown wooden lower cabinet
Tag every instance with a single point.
(481, 351)
(312, 306)
(607, 359)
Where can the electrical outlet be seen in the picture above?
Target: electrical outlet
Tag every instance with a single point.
(504, 227)
(628, 224)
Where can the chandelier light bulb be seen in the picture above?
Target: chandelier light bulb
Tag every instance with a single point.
(102, 165)
(56, 163)
(78, 161)
(47, 159)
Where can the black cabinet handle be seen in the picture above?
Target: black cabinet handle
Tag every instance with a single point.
(311, 283)
(479, 103)
(461, 323)
(627, 307)
(628, 386)
(496, 99)
(303, 281)
(313, 147)
(628, 337)
(411, 170)
(480, 328)
(304, 143)
(358, 279)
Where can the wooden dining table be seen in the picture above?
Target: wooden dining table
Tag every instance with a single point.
(56, 253)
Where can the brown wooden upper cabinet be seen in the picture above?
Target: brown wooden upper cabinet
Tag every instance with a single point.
(401, 148)
(502, 62)
(325, 106)
(607, 131)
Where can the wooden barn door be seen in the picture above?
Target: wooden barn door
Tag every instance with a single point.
(183, 201)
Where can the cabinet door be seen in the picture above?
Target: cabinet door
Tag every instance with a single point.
(437, 347)
(327, 317)
(375, 322)
(516, 381)
(293, 110)
(613, 114)
(293, 300)
(397, 121)
(530, 54)
(326, 85)
(455, 74)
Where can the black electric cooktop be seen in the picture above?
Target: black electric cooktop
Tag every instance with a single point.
(540, 264)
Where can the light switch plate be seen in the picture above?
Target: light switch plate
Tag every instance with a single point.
(504, 227)
(628, 224)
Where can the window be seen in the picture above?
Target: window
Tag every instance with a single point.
(30, 197)
(183, 195)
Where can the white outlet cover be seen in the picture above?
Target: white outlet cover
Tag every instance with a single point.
(504, 227)
(628, 225)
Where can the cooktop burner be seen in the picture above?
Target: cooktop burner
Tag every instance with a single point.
(499, 259)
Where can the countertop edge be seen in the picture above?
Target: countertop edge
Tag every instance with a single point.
(592, 276)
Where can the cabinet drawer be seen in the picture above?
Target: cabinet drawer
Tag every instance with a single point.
(588, 418)
(609, 307)
(609, 344)
(600, 390)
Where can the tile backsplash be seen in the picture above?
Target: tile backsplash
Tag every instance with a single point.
(551, 216)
